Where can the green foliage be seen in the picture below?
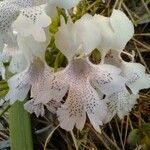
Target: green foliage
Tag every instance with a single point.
(134, 137)
(20, 128)
(140, 136)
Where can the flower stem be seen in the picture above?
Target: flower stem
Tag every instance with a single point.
(56, 63)
(20, 128)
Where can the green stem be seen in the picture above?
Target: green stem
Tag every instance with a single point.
(56, 63)
(20, 128)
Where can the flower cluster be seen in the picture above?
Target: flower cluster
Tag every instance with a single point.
(82, 89)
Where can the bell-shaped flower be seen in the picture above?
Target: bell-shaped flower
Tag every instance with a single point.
(116, 31)
(85, 95)
(32, 21)
(34, 52)
(136, 78)
(77, 39)
(19, 84)
(82, 83)
(10, 11)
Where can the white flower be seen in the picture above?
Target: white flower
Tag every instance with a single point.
(11, 53)
(32, 21)
(83, 97)
(134, 73)
(39, 91)
(10, 11)
(18, 63)
(82, 88)
(116, 31)
(16, 59)
(77, 39)
(39, 109)
(120, 103)
(136, 79)
(32, 108)
(30, 26)
(19, 84)
(108, 79)
(89, 86)
(34, 52)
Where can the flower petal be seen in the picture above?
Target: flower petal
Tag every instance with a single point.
(49, 88)
(120, 103)
(87, 28)
(31, 48)
(81, 99)
(65, 39)
(19, 84)
(107, 79)
(77, 39)
(32, 108)
(18, 63)
(136, 77)
(116, 31)
(35, 19)
(113, 58)
(123, 27)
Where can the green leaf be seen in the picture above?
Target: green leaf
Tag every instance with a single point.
(20, 128)
(134, 137)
